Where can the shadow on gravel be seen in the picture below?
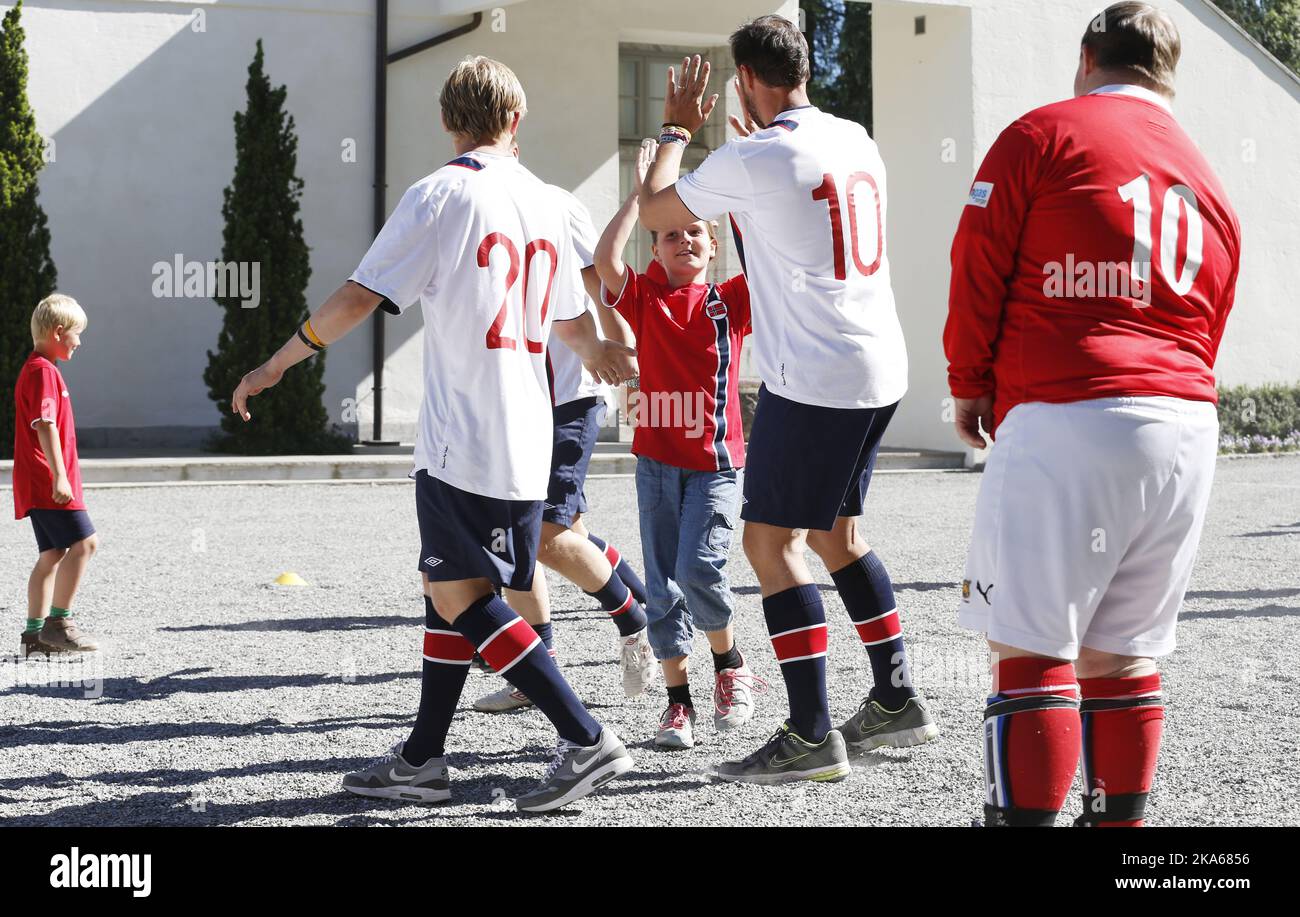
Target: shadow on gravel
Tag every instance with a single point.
(123, 690)
(73, 732)
(173, 808)
(166, 778)
(824, 587)
(305, 625)
(1243, 594)
(1264, 611)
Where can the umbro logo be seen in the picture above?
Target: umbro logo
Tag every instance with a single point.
(433, 561)
(549, 506)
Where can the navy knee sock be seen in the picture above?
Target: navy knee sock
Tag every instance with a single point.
(621, 567)
(868, 595)
(515, 652)
(446, 663)
(544, 631)
(796, 622)
(625, 611)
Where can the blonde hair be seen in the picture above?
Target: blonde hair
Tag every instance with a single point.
(53, 311)
(479, 97)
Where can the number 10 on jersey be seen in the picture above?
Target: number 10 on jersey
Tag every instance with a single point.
(827, 191)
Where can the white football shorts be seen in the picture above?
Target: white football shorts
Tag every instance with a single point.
(1087, 524)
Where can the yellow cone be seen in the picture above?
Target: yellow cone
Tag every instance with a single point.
(289, 578)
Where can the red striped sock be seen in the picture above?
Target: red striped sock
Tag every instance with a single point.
(1123, 719)
(1031, 740)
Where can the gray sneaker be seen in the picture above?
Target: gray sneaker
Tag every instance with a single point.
(786, 757)
(875, 727)
(503, 701)
(392, 778)
(576, 772)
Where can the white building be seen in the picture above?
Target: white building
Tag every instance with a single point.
(137, 97)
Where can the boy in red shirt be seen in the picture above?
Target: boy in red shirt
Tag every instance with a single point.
(690, 451)
(47, 480)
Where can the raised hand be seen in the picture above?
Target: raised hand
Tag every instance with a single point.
(645, 157)
(685, 104)
(744, 125)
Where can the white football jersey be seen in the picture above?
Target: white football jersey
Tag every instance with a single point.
(569, 378)
(485, 247)
(808, 202)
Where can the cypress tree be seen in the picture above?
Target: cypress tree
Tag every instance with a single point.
(263, 227)
(27, 272)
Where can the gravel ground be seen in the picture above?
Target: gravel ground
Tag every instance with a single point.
(220, 699)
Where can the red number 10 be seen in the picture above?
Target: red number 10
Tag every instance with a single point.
(827, 192)
(495, 339)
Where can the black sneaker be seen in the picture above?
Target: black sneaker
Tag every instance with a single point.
(786, 757)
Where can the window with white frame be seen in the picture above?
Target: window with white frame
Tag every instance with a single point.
(642, 78)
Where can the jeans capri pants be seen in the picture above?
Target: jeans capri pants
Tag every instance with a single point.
(688, 519)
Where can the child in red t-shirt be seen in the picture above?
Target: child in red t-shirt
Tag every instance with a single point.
(47, 480)
(690, 451)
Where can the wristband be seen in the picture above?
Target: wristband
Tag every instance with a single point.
(308, 340)
(672, 133)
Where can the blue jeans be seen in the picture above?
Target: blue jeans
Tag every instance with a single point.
(687, 522)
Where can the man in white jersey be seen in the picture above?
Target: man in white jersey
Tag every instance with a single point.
(485, 247)
(807, 199)
(579, 402)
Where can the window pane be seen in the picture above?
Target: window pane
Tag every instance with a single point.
(627, 126)
(627, 77)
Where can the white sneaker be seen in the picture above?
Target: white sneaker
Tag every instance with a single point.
(733, 697)
(676, 727)
(638, 662)
(507, 699)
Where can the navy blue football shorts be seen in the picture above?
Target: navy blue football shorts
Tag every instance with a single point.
(468, 536)
(577, 424)
(60, 528)
(806, 465)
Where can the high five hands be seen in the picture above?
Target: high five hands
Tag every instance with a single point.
(685, 105)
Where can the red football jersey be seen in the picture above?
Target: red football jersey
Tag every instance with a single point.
(41, 394)
(686, 412)
(1097, 257)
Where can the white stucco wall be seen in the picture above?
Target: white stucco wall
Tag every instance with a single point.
(139, 105)
(924, 127)
(1240, 107)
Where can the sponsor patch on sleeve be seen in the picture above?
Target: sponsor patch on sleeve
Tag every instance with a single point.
(980, 193)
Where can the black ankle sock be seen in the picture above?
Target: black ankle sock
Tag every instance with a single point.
(680, 694)
(731, 659)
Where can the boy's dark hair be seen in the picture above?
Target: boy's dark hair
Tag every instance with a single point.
(774, 48)
(1139, 38)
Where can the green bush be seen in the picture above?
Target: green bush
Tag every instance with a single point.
(1259, 418)
(26, 271)
(263, 226)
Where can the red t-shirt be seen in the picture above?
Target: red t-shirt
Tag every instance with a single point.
(1102, 180)
(687, 410)
(40, 394)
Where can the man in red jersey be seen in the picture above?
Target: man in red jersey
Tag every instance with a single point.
(1093, 271)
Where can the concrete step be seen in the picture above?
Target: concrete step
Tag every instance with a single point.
(609, 458)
